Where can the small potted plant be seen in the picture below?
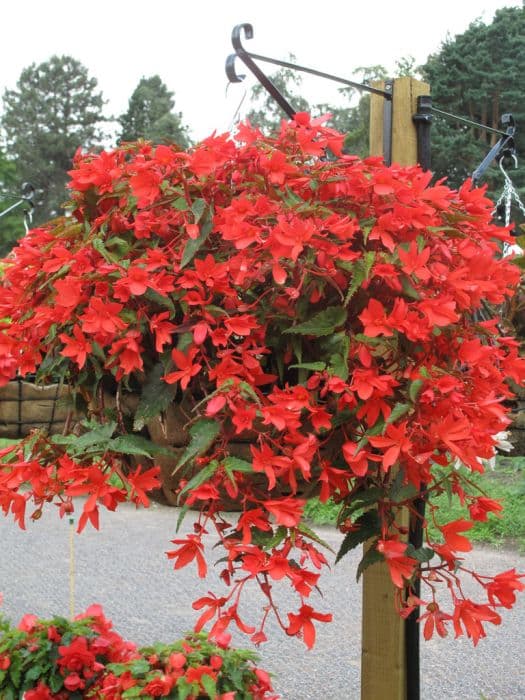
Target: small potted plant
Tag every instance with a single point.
(86, 658)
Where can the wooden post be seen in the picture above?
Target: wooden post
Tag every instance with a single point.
(383, 653)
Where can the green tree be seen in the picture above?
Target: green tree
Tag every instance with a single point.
(479, 74)
(12, 224)
(54, 110)
(354, 120)
(150, 115)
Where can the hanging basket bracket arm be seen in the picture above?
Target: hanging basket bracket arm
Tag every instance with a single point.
(248, 59)
(504, 148)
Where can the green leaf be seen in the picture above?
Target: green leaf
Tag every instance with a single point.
(156, 397)
(209, 686)
(56, 682)
(339, 360)
(268, 540)
(139, 667)
(202, 435)
(235, 464)
(198, 208)
(33, 674)
(414, 389)
(400, 409)
(361, 270)
(362, 499)
(160, 299)
(15, 669)
(308, 532)
(133, 692)
(376, 429)
(182, 515)
(122, 247)
(184, 689)
(94, 440)
(193, 245)
(371, 556)
(519, 261)
(313, 366)
(181, 204)
(369, 526)
(117, 669)
(200, 477)
(423, 554)
(99, 246)
(323, 323)
(131, 444)
(409, 289)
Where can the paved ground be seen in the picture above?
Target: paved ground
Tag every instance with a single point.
(123, 567)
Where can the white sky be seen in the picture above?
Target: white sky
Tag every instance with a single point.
(186, 43)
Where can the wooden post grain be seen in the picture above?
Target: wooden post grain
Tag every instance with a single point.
(383, 653)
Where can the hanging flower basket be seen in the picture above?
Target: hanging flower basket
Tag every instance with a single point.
(283, 321)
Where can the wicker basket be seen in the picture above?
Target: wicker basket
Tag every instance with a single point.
(25, 406)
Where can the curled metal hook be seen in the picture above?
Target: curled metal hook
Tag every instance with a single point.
(514, 159)
(246, 58)
(233, 76)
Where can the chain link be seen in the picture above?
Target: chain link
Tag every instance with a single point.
(508, 194)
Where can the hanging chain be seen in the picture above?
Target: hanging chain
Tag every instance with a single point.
(508, 194)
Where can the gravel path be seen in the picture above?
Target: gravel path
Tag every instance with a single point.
(123, 567)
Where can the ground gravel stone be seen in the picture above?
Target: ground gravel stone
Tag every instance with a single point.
(124, 567)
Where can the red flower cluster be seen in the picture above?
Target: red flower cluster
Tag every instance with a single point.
(86, 658)
(318, 321)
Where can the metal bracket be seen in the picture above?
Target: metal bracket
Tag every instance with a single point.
(423, 121)
(27, 196)
(387, 123)
(247, 59)
(504, 148)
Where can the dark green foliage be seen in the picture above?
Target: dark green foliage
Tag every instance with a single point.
(479, 74)
(150, 115)
(12, 224)
(54, 110)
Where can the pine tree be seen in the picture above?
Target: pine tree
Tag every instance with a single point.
(12, 224)
(150, 115)
(479, 74)
(54, 111)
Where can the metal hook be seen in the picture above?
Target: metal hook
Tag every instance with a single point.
(245, 57)
(28, 219)
(232, 74)
(514, 158)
